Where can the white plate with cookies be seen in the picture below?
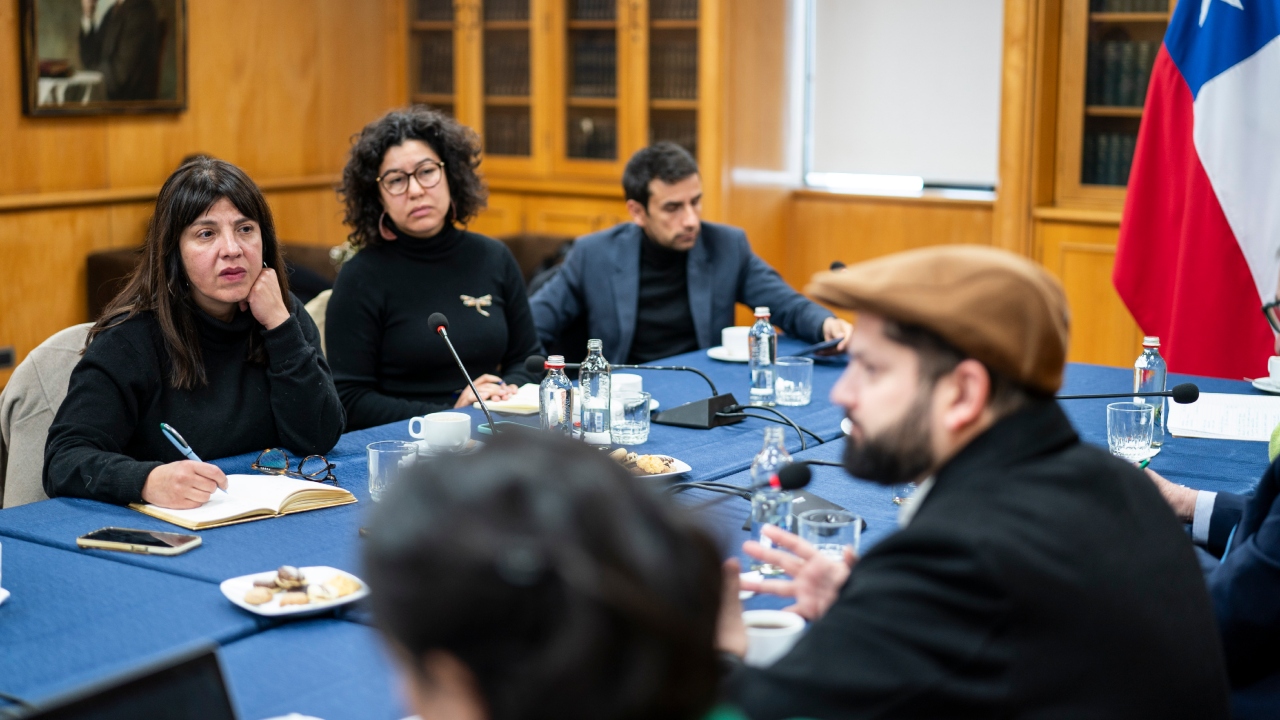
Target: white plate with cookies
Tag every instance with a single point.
(290, 591)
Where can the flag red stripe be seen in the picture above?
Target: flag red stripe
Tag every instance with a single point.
(1179, 268)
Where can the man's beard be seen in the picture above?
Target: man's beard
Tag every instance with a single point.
(901, 453)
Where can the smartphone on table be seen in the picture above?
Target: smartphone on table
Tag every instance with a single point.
(146, 542)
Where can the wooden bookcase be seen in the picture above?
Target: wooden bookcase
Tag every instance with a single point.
(562, 92)
(1107, 49)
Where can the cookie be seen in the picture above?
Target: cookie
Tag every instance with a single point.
(258, 596)
(294, 598)
(653, 464)
(343, 585)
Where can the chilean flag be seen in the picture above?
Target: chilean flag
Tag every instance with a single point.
(1199, 249)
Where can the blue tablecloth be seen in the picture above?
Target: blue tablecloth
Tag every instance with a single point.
(322, 668)
(73, 618)
(343, 674)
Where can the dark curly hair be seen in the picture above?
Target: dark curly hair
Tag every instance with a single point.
(457, 145)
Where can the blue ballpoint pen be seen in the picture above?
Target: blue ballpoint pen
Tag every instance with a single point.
(183, 447)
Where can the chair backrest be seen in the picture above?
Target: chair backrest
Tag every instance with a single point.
(27, 406)
(316, 308)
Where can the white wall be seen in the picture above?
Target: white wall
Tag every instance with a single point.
(907, 87)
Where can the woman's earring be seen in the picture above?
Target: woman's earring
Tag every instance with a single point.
(382, 227)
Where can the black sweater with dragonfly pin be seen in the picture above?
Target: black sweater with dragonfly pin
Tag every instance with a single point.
(388, 363)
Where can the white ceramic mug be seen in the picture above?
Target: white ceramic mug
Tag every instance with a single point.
(734, 341)
(442, 430)
(1273, 367)
(770, 635)
(625, 383)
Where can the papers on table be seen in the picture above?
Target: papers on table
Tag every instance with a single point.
(524, 402)
(1226, 417)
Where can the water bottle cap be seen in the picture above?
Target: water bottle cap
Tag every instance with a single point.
(555, 362)
(1150, 341)
(762, 311)
(594, 345)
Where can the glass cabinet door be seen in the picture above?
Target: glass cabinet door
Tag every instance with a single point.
(591, 68)
(431, 54)
(673, 72)
(508, 128)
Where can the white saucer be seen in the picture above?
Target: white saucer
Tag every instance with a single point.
(846, 425)
(752, 575)
(1267, 385)
(719, 353)
(4, 595)
(471, 446)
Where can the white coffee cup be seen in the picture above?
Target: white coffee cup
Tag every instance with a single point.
(770, 635)
(442, 431)
(734, 341)
(1273, 367)
(625, 383)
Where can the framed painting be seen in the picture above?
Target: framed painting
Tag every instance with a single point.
(94, 57)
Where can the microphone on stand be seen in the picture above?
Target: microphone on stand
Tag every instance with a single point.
(441, 325)
(791, 477)
(699, 414)
(1181, 394)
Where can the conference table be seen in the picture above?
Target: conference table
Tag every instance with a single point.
(79, 616)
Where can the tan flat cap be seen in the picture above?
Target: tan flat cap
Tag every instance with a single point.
(992, 305)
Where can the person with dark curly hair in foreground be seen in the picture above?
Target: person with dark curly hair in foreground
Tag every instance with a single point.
(550, 584)
(410, 181)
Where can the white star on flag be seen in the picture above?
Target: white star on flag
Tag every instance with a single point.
(1204, 8)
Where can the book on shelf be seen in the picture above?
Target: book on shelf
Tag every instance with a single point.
(252, 497)
(1118, 72)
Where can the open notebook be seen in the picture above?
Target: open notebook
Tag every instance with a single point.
(253, 497)
(524, 402)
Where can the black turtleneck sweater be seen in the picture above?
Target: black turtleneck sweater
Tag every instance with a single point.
(664, 321)
(388, 363)
(106, 437)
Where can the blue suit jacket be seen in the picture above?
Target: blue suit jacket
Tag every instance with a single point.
(600, 279)
(1245, 588)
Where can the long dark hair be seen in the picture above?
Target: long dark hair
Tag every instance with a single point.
(457, 145)
(569, 589)
(160, 284)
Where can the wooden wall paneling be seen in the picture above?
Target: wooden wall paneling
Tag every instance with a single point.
(308, 217)
(712, 92)
(571, 216)
(1081, 256)
(503, 216)
(851, 228)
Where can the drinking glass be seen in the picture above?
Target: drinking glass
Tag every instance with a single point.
(388, 460)
(830, 531)
(793, 381)
(903, 492)
(1129, 429)
(769, 507)
(630, 418)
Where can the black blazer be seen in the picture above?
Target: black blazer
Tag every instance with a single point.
(126, 50)
(1039, 578)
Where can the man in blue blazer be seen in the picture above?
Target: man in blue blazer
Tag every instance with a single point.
(667, 282)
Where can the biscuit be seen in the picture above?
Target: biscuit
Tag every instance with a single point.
(294, 598)
(653, 464)
(258, 596)
(343, 585)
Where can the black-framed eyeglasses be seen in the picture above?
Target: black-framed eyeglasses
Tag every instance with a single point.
(428, 174)
(1272, 311)
(275, 461)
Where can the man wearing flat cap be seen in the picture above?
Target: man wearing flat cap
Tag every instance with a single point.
(1033, 576)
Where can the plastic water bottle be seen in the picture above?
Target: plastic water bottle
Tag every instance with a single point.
(555, 398)
(1149, 376)
(762, 343)
(593, 383)
(769, 506)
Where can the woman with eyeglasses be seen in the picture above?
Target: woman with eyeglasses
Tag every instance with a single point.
(204, 337)
(409, 183)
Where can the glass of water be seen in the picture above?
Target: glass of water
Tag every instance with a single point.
(831, 531)
(388, 460)
(630, 418)
(769, 507)
(793, 380)
(903, 492)
(1129, 429)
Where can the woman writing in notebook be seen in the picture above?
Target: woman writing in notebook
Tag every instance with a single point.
(410, 181)
(206, 337)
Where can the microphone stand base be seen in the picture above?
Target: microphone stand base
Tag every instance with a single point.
(504, 426)
(699, 414)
